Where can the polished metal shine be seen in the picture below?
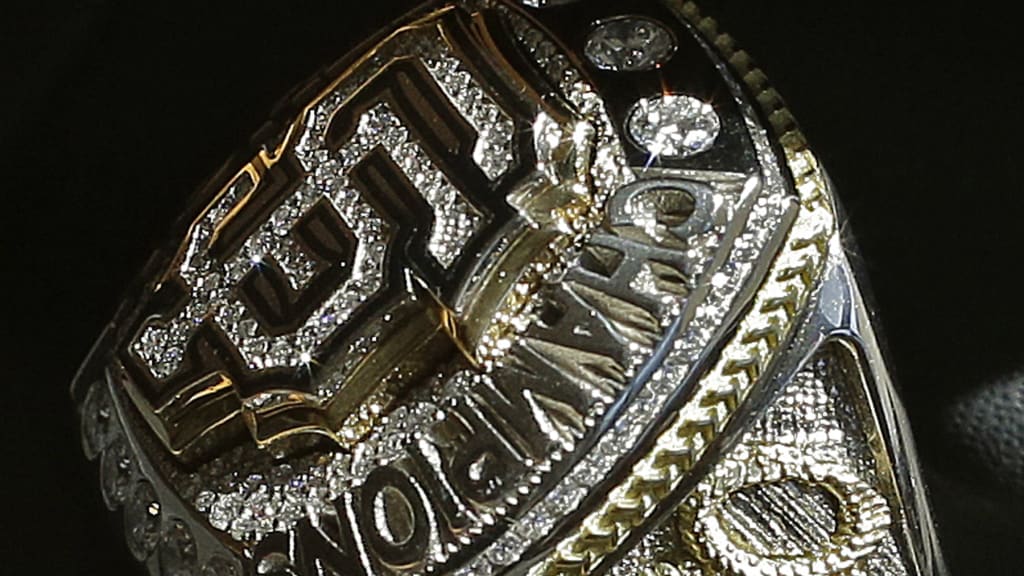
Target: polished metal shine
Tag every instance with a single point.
(520, 288)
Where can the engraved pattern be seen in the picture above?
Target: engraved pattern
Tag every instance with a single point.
(391, 441)
(779, 301)
(756, 512)
(399, 484)
(142, 511)
(765, 217)
(768, 209)
(799, 492)
(776, 307)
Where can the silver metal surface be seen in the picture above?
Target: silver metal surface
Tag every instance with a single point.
(512, 296)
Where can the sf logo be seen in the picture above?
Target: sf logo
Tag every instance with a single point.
(383, 240)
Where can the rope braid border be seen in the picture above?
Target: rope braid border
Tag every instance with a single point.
(760, 335)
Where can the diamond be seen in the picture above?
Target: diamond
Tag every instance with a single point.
(503, 553)
(142, 520)
(673, 125)
(255, 516)
(534, 526)
(629, 44)
(564, 497)
(291, 509)
(205, 500)
(115, 473)
(97, 420)
(435, 194)
(492, 152)
(177, 550)
(224, 510)
(479, 567)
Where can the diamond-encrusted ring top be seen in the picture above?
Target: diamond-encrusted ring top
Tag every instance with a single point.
(499, 296)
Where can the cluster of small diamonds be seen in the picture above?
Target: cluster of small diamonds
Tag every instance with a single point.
(162, 345)
(493, 149)
(151, 530)
(629, 44)
(258, 512)
(256, 502)
(255, 507)
(609, 169)
(250, 507)
(763, 220)
(455, 219)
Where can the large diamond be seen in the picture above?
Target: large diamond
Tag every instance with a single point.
(629, 44)
(673, 125)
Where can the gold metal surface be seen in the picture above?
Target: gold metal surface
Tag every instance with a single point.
(555, 207)
(761, 334)
(565, 354)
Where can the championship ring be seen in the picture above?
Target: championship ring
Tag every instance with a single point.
(528, 288)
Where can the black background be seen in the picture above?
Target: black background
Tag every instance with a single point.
(117, 110)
